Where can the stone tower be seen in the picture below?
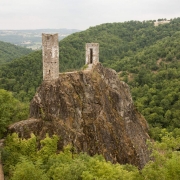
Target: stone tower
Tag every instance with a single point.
(92, 53)
(50, 54)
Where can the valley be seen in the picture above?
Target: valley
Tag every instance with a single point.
(31, 38)
(147, 61)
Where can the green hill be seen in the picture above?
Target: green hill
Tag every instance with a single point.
(146, 57)
(22, 76)
(117, 41)
(8, 52)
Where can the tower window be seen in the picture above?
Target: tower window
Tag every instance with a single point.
(91, 56)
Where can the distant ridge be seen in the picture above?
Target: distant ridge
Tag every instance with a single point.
(31, 38)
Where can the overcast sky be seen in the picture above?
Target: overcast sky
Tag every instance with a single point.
(81, 14)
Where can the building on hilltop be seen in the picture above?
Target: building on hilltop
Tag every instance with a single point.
(157, 23)
(50, 54)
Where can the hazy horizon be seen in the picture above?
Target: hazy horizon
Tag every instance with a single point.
(81, 14)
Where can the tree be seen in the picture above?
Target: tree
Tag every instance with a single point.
(11, 110)
(26, 170)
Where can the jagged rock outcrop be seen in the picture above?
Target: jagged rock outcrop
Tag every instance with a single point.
(94, 111)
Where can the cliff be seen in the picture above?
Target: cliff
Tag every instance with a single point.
(93, 110)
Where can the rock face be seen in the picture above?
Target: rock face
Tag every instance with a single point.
(92, 110)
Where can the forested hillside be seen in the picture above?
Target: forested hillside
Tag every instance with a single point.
(11, 110)
(22, 76)
(145, 56)
(8, 52)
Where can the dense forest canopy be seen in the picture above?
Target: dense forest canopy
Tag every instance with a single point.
(8, 52)
(11, 110)
(22, 76)
(23, 159)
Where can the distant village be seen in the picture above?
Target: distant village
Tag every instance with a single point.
(31, 38)
(157, 23)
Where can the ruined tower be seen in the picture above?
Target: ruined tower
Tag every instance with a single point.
(50, 54)
(92, 53)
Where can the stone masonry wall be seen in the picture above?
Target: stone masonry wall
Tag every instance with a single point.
(50, 53)
(95, 53)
